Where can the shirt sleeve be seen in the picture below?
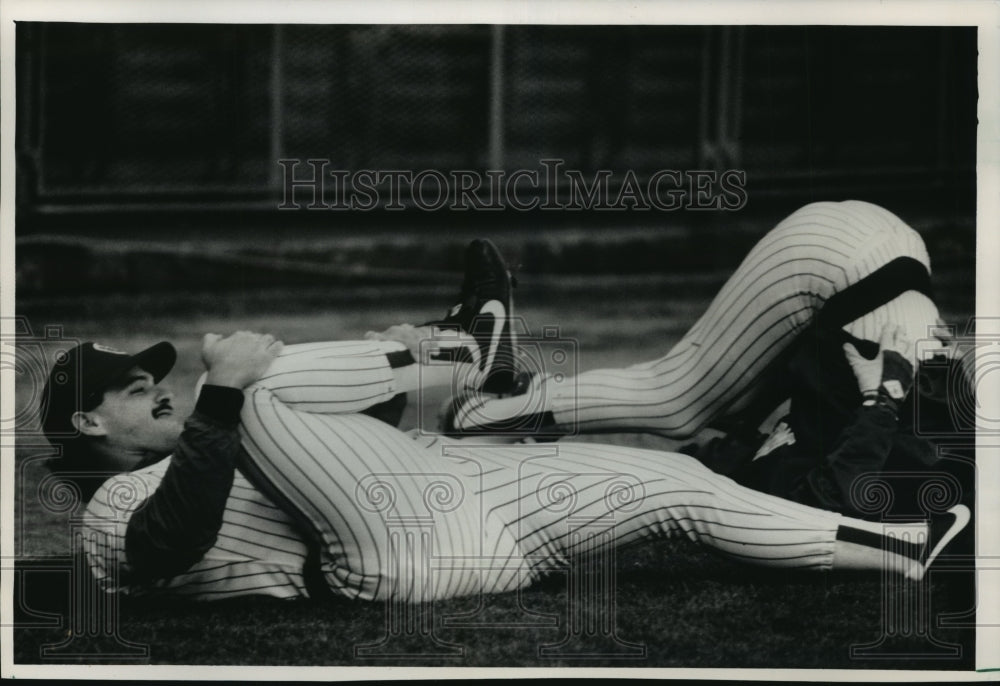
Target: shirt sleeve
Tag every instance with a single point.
(180, 521)
(863, 446)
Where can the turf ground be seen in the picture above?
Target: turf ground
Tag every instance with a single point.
(676, 605)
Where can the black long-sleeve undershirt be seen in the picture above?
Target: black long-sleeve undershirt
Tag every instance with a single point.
(181, 520)
(863, 447)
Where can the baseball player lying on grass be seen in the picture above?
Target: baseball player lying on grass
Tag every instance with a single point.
(278, 484)
(833, 276)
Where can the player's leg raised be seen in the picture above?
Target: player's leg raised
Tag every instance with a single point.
(774, 294)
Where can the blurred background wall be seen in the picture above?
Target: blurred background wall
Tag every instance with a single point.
(151, 131)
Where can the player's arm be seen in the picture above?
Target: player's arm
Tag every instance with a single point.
(864, 445)
(182, 518)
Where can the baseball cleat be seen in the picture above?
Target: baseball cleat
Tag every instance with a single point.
(484, 309)
(941, 530)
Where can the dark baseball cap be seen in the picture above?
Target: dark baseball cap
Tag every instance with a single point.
(80, 376)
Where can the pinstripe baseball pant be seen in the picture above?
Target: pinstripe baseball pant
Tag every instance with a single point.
(775, 293)
(420, 517)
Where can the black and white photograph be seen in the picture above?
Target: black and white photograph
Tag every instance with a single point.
(581, 339)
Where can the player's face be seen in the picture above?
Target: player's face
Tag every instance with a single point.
(138, 418)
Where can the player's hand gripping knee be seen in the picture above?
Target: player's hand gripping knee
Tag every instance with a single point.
(888, 377)
(238, 360)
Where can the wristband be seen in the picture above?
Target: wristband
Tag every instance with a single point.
(883, 399)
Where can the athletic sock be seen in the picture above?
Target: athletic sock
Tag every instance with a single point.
(895, 547)
(439, 367)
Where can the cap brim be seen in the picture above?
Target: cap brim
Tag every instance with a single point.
(157, 359)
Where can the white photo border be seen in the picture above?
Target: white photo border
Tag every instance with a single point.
(984, 14)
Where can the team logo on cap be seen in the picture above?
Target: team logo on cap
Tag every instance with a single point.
(106, 349)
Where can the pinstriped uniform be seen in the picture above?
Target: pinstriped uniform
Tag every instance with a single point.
(775, 293)
(373, 494)
(418, 517)
(257, 552)
(558, 499)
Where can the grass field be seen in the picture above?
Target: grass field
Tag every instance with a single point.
(676, 605)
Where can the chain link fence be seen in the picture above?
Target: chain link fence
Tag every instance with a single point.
(187, 116)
